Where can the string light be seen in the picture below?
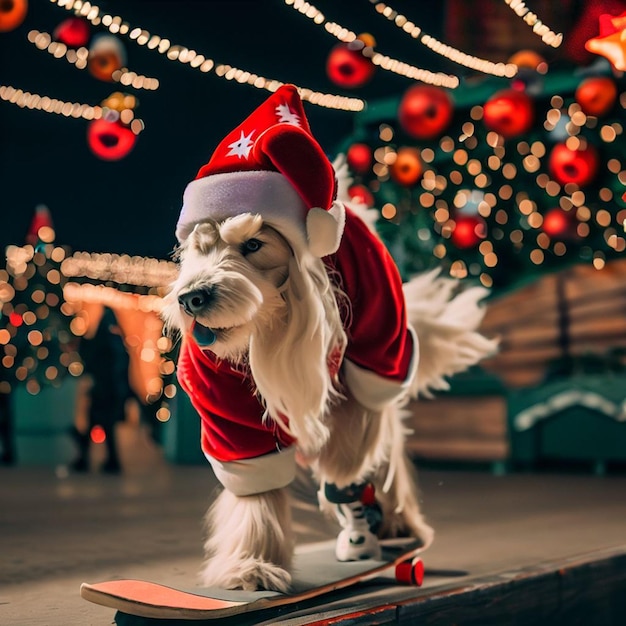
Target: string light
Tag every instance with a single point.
(116, 25)
(507, 70)
(109, 296)
(548, 36)
(33, 101)
(27, 100)
(385, 62)
(122, 269)
(79, 59)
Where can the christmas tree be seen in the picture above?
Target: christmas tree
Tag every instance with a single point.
(38, 343)
(499, 180)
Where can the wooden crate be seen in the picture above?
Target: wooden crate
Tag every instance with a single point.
(466, 424)
(457, 428)
(575, 312)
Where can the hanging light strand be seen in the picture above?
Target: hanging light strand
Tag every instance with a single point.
(175, 52)
(123, 269)
(508, 70)
(27, 100)
(79, 59)
(36, 102)
(383, 61)
(548, 36)
(110, 296)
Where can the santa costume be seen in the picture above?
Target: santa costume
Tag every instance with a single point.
(271, 165)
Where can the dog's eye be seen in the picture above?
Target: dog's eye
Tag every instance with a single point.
(252, 245)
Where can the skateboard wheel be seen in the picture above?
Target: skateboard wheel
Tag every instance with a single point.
(410, 572)
(368, 497)
(417, 569)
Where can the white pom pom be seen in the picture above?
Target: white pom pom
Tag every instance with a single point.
(324, 229)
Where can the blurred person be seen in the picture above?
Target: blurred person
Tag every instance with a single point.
(106, 364)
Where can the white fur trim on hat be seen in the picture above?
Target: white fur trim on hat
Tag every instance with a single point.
(225, 195)
(257, 475)
(324, 229)
(268, 194)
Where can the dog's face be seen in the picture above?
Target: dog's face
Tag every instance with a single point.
(229, 283)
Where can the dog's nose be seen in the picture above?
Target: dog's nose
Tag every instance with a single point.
(195, 302)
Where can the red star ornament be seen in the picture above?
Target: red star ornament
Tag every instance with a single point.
(612, 40)
(610, 24)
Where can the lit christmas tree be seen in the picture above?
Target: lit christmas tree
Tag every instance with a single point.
(499, 180)
(38, 345)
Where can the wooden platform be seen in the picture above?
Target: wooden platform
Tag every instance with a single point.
(588, 589)
(540, 548)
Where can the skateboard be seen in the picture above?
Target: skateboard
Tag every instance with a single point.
(316, 573)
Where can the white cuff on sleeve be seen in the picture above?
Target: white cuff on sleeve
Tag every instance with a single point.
(372, 390)
(256, 475)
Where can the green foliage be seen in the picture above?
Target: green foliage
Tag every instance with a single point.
(467, 164)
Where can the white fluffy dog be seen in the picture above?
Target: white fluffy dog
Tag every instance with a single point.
(258, 310)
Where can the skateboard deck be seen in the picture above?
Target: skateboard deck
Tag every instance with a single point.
(316, 572)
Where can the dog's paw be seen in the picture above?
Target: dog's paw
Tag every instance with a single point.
(264, 575)
(249, 575)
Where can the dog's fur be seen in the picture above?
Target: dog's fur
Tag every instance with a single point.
(278, 314)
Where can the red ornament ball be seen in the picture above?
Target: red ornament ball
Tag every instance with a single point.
(361, 195)
(468, 231)
(12, 14)
(347, 67)
(110, 141)
(359, 158)
(15, 319)
(509, 113)
(425, 111)
(568, 165)
(407, 169)
(74, 32)
(596, 95)
(558, 223)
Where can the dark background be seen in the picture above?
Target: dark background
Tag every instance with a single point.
(131, 206)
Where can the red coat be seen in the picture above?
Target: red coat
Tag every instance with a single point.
(378, 341)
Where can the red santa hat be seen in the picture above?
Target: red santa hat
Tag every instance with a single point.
(270, 165)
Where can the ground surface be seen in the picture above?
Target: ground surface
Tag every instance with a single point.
(58, 530)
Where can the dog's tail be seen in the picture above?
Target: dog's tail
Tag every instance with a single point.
(446, 320)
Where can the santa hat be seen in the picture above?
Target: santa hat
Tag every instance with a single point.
(271, 165)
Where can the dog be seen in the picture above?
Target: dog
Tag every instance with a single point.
(297, 350)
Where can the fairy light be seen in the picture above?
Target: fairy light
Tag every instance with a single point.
(174, 52)
(101, 294)
(508, 70)
(79, 59)
(27, 100)
(385, 62)
(122, 269)
(36, 102)
(119, 268)
(548, 36)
